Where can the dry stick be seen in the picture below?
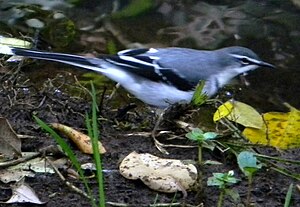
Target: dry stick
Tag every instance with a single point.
(24, 136)
(233, 128)
(42, 102)
(25, 158)
(154, 205)
(117, 204)
(20, 160)
(81, 86)
(72, 187)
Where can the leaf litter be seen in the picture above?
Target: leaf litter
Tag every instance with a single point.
(23, 193)
(10, 144)
(164, 175)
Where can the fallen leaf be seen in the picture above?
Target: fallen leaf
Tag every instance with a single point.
(280, 130)
(23, 193)
(82, 141)
(10, 144)
(223, 111)
(30, 168)
(240, 113)
(164, 175)
(14, 175)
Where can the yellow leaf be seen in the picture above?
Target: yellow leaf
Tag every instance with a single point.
(280, 130)
(223, 111)
(82, 141)
(240, 113)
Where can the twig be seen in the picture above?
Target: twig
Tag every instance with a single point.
(70, 185)
(24, 136)
(20, 160)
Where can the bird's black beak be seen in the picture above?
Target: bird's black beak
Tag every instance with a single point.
(265, 64)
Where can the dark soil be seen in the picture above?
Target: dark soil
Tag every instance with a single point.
(20, 100)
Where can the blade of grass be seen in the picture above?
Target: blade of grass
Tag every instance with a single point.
(297, 162)
(288, 196)
(65, 147)
(94, 134)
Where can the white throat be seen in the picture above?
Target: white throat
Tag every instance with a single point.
(222, 78)
(226, 75)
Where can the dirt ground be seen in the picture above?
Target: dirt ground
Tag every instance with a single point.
(20, 98)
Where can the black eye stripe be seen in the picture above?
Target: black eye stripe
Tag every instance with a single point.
(245, 61)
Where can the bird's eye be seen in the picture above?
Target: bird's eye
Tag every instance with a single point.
(245, 61)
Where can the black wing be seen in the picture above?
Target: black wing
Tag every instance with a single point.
(137, 61)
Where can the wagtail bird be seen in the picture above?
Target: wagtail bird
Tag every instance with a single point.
(161, 76)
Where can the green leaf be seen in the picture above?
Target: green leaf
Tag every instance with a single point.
(210, 135)
(212, 181)
(199, 97)
(197, 131)
(231, 180)
(93, 131)
(222, 179)
(195, 135)
(199, 136)
(248, 163)
(289, 196)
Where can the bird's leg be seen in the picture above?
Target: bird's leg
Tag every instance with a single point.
(160, 114)
(117, 86)
(170, 113)
(159, 120)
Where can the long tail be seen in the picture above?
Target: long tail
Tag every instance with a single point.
(75, 60)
